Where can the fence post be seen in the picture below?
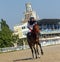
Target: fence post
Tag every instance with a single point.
(23, 44)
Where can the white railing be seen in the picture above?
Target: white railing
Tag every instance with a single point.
(50, 31)
(43, 43)
(7, 49)
(50, 42)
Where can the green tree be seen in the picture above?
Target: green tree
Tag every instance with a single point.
(5, 35)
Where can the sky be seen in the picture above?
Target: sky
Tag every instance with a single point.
(12, 10)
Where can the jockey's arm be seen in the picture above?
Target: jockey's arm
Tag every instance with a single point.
(30, 27)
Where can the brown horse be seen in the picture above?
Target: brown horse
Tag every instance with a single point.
(33, 40)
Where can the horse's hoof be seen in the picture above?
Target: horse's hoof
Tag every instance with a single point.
(38, 56)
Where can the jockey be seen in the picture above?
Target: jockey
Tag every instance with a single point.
(31, 23)
(30, 26)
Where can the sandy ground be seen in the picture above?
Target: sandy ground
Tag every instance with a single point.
(51, 54)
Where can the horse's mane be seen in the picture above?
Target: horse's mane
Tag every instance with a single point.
(36, 28)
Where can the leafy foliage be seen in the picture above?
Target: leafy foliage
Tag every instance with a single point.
(5, 35)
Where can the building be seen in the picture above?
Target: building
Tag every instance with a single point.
(21, 30)
(50, 26)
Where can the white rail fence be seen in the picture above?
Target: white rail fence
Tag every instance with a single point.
(43, 43)
(7, 49)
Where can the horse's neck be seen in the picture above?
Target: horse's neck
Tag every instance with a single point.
(36, 29)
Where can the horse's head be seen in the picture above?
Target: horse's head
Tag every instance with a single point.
(36, 28)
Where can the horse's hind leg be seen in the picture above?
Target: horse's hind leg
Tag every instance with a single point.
(37, 51)
(40, 48)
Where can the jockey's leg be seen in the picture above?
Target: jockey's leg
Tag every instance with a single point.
(29, 34)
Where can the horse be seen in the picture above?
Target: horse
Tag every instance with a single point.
(33, 41)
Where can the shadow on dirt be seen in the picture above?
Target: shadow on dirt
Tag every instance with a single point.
(22, 59)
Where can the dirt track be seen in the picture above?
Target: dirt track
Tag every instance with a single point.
(51, 54)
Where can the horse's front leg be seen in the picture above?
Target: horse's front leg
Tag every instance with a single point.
(32, 51)
(35, 50)
(38, 52)
(40, 48)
